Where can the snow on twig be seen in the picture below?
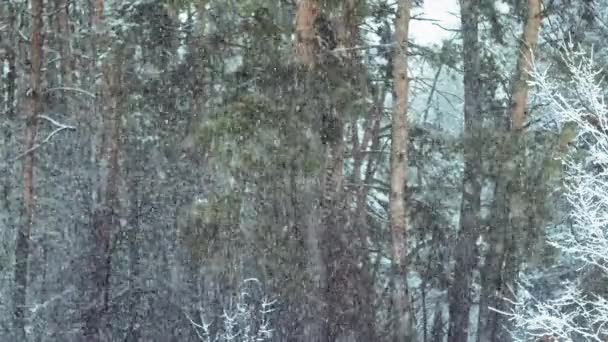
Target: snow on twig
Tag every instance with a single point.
(245, 319)
(60, 127)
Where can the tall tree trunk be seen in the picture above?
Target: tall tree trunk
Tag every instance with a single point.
(403, 328)
(322, 234)
(511, 203)
(465, 252)
(104, 223)
(22, 248)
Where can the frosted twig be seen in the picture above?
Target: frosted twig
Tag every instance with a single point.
(575, 314)
(246, 319)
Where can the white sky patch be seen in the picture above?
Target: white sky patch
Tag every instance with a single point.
(443, 13)
(502, 7)
(183, 17)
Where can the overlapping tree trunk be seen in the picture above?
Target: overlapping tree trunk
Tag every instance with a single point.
(511, 208)
(465, 255)
(344, 286)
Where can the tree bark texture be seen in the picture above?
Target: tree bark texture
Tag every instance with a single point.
(306, 14)
(519, 94)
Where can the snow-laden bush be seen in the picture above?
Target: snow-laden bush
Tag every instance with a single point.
(246, 319)
(575, 312)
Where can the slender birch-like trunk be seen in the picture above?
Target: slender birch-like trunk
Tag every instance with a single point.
(403, 329)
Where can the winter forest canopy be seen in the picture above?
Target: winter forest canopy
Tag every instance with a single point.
(303, 170)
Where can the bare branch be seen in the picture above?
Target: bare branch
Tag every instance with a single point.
(78, 90)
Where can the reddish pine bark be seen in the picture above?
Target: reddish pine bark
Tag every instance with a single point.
(306, 13)
(22, 248)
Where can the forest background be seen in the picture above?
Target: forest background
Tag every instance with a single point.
(312, 170)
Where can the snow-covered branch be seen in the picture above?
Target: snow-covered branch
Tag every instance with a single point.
(576, 313)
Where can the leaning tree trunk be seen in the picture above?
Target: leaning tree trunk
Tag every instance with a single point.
(403, 329)
(465, 251)
(22, 248)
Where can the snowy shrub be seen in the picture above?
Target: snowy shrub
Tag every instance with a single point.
(246, 319)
